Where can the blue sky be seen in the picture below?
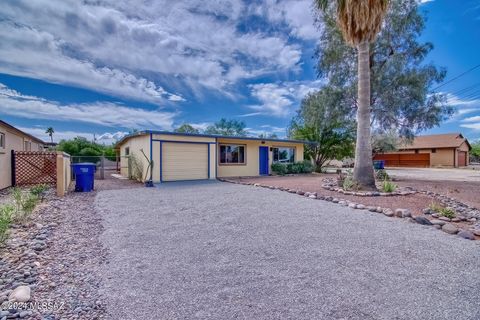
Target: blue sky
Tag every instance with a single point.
(106, 67)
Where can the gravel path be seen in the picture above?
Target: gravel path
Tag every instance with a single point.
(224, 251)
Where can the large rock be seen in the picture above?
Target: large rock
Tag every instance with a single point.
(449, 228)
(423, 220)
(438, 222)
(403, 213)
(388, 212)
(20, 294)
(466, 234)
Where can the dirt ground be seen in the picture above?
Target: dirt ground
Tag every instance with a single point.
(463, 191)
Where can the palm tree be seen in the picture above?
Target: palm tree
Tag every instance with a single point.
(360, 21)
(50, 132)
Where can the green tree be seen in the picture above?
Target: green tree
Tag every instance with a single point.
(324, 121)
(186, 128)
(385, 141)
(226, 127)
(50, 132)
(475, 152)
(268, 136)
(360, 21)
(81, 149)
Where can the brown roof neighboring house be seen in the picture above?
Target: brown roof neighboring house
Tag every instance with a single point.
(447, 140)
(21, 132)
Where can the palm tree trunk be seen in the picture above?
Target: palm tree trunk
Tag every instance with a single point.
(363, 170)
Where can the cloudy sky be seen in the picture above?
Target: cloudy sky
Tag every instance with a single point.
(105, 67)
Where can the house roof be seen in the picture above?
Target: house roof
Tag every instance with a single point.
(21, 132)
(447, 140)
(145, 132)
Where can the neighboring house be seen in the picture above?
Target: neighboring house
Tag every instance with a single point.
(438, 150)
(12, 138)
(179, 156)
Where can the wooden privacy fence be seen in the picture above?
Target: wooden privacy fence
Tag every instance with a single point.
(419, 160)
(37, 167)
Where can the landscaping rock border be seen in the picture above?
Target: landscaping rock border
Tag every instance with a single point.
(389, 212)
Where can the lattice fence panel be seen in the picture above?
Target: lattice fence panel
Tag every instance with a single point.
(35, 167)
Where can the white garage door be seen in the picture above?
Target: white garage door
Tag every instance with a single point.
(184, 161)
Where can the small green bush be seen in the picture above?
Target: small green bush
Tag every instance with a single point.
(443, 211)
(381, 174)
(388, 186)
(349, 184)
(292, 168)
(38, 189)
(6, 213)
(23, 203)
(279, 168)
(447, 212)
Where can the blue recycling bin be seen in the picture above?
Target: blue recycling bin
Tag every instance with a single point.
(378, 164)
(84, 176)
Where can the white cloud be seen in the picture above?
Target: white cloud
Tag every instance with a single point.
(297, 15)
(135, 49)
(473, 126)
(31, 53)
(472, 119)
(279, 99)
(100, 113)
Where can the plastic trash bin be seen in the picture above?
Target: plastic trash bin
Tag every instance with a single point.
(84, 176)
(378, 164)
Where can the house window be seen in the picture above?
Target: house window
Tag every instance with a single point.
(232, 154)
(284, 155)
(2, 140)
(27, 145)
(40, 147)
(127, 151)
(416, 150)
(434, 150)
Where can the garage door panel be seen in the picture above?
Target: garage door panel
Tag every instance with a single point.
(184, 161)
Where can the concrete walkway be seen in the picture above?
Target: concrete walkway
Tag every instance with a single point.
(224, 251)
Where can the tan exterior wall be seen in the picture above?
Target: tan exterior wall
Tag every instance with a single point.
(14, 140)
(63, 173)
(251, 166)
(135, 144)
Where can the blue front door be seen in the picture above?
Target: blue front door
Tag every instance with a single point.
(263, 160)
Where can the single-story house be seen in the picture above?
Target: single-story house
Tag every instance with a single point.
(438, 150)
(12, 138)
(183, 156)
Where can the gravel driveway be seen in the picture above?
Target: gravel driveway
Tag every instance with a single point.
(224, 251)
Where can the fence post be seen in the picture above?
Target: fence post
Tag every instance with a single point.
(102, 165)
(60, 175)
(13, 167)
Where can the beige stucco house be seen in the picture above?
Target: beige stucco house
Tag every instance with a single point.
(181, 156)
(438, 150)
(12, 138)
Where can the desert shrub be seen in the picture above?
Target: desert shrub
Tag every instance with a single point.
(381, 174)
(388, 186)
(23, 203)
(6, 214)
(297, 167)
(443, 211)
(279, 168)
(39, 190)
(349, 184)
(447, 212)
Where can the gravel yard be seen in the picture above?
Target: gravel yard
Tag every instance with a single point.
(222, 251)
